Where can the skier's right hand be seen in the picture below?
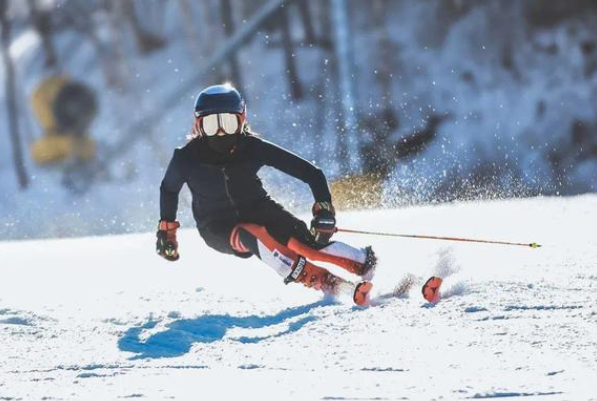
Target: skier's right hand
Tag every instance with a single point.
(323, 224)
(166, 245)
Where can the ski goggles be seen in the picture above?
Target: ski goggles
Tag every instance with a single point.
(228, 123)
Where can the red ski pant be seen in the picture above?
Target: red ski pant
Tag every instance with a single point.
(284, 259)
(279, 239)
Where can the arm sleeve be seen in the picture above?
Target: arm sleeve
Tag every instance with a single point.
(172, 183)
(295, 166)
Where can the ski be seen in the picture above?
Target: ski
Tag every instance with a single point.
(431, 289)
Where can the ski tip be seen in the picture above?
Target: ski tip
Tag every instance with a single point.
(534, 245)
(361, 293)
(430, 289)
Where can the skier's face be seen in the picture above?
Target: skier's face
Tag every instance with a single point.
(223, 144)
(223, 130)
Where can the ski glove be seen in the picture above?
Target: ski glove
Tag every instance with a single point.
(167, 246)
(323, 224)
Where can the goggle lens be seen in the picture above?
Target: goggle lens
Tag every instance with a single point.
(229, 123)
(210, 124)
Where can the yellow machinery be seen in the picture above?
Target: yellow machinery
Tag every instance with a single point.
(65, 110)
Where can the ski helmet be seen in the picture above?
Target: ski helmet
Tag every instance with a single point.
(219, 99)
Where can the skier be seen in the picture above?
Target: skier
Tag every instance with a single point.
(234, 213)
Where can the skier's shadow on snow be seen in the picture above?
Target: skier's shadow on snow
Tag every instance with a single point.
(181, 334)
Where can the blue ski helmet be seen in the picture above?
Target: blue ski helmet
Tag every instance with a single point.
(219, 99)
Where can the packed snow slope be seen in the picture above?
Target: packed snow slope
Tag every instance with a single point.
(104, 318)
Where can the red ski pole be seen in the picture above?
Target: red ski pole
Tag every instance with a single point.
(344, 230)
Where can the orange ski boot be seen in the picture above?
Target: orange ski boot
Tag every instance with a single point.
(313, 276)
(316, 277)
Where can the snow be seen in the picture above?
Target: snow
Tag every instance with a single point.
(105, 318)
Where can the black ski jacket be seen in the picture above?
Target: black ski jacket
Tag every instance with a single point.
(224, 186)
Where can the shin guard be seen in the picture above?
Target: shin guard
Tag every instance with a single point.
(351, 259)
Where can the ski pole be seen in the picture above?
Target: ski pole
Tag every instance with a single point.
(344, 230)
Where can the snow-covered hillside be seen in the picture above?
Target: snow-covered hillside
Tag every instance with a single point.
(105, 318)
(520, 101)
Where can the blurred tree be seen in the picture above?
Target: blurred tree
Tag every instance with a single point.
(385, 52)
(117, 68)
(11, 97)
(348, 138)
(446, 13)
(324, 96)
(42, 22)
(296, 89)
(79, 16)
(147, 41)
(305, 14)
(228, 23)
(281, 24)
(381, 125)
(548, 13)
(190, 27)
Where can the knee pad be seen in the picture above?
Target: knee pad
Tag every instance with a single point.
(243, 241)
(336, 253)
(255, 238)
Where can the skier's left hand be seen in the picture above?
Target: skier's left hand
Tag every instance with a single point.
(323, 224)
(167, 245)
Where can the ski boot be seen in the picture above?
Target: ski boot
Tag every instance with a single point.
(368, 270)
(318, 278)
